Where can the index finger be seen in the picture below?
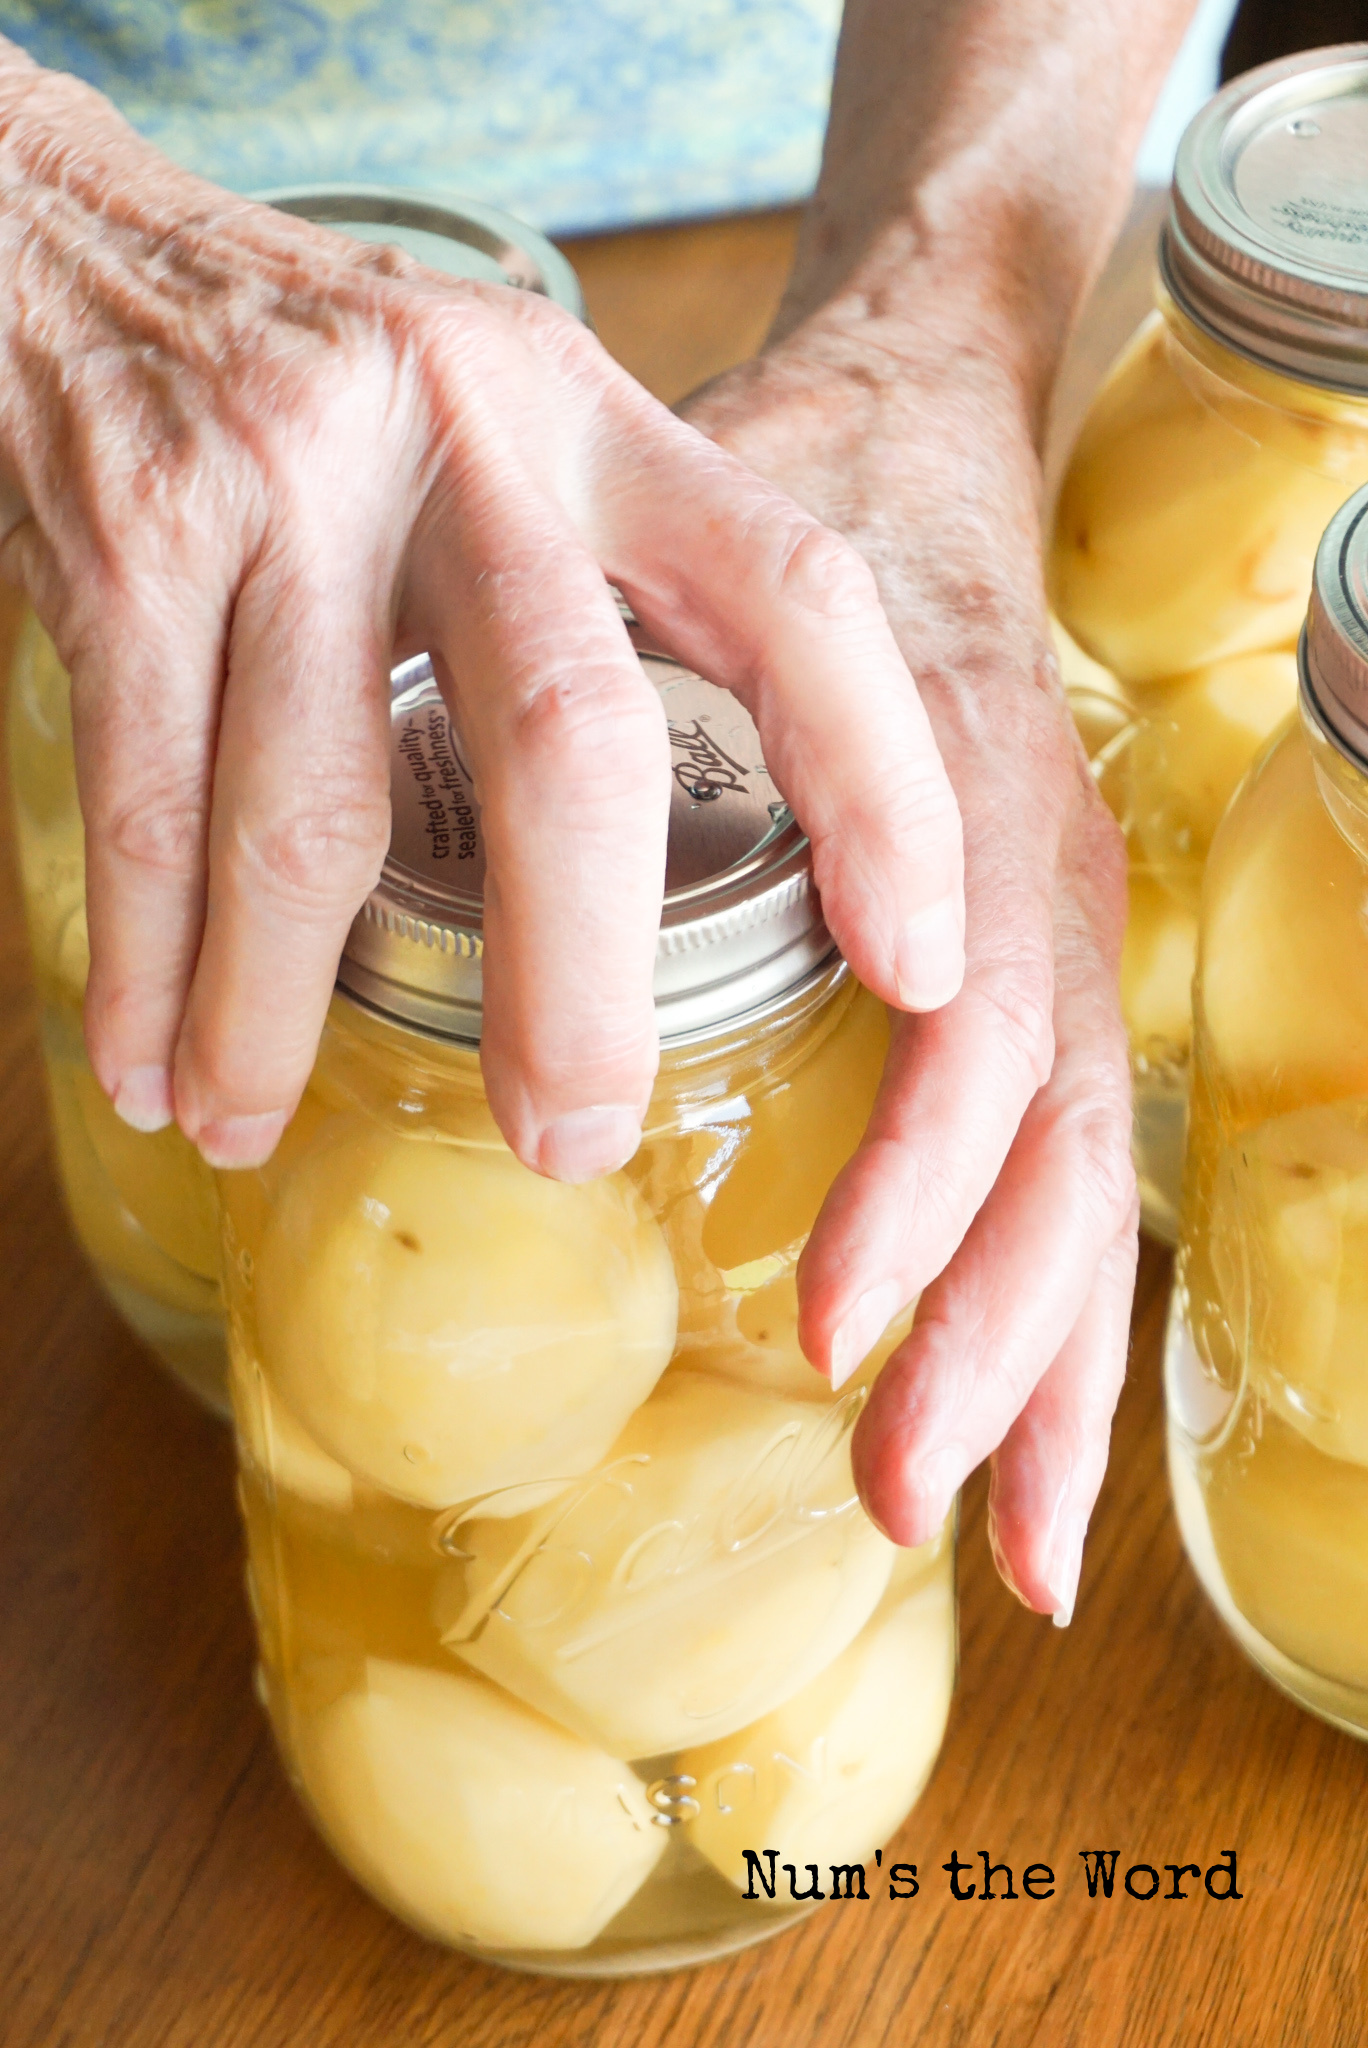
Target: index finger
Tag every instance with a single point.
(568, 747)
(737, 581)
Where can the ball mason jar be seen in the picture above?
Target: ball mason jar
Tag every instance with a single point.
(1267, 1356)
(1222, 442)
(143, 1205)
(577, 1643)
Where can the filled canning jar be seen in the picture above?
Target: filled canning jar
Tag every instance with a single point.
(1267, 1356)
(576, 1640)
(143, 1205)
(1219, 447)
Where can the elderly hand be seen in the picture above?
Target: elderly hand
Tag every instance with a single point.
(996, 1172)
(246, 463)
(977, 165)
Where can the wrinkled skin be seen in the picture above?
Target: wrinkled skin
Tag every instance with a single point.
(996, 1172)
(243, 465)
(977, 166)
(258, 462)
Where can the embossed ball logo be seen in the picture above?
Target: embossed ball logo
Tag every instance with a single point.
(703, 771)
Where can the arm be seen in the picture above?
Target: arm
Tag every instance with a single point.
(977, 166)
(244, 464)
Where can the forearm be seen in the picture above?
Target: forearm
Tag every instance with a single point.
(977, 166)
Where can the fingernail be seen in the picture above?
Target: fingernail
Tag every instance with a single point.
(860, 1332)
(939, 1477)
(928, 964)
(238, 1141)
(143, 1098)
(589, 1142)
(1066, 1562)
(995, 1544)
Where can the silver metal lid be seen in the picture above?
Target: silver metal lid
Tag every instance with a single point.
(462, 237)
(741, 923)
(1266, 243)
(1334, 646)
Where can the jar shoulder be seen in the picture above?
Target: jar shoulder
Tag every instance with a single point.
(1282, 974)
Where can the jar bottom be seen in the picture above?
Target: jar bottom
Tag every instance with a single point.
(1158, 1145)
(192, 1348)
(648, 1955)
(650, 1959)
(685, 1914)
(1344, 1706)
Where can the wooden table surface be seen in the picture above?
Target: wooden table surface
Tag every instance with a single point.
(160, 1889)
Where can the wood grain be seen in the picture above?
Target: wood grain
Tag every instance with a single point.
(159, 1888)
(678, 305)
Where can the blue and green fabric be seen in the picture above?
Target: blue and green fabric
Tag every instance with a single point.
(575, 114)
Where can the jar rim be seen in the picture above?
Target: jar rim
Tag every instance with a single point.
(439, 229)
(741, 925)
(1266, 243)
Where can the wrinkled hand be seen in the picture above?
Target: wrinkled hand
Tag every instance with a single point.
(248, 463)
(996, 1172)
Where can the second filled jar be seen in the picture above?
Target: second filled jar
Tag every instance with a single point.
(1267, 1355)
(1224, 439)
(142, 1203)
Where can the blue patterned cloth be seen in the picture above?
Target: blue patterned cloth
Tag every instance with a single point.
(575, 114)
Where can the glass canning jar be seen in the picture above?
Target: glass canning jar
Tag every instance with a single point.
(143, 1205)
(1222, 442)
(1267, 1356)
(564, 1597)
